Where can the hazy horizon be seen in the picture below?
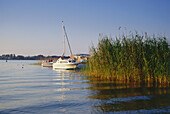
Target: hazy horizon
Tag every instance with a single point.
(33, 27)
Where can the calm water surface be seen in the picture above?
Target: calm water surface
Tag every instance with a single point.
(31, 89)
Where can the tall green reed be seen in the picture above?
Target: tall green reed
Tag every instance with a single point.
(138, 58)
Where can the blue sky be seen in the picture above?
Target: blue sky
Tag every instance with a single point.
(32, 27)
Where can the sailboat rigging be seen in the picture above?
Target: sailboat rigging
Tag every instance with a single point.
(65, 36)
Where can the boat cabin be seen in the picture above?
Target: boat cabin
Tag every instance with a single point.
(65, 60)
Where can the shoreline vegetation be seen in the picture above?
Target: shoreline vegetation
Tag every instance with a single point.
(39, 63)
(137, 59)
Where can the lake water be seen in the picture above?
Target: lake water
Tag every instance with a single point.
(27, 89)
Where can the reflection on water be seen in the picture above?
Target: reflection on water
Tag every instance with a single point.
(33, 89)
(129, 99)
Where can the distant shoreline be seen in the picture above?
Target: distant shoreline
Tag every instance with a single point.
(21, 57)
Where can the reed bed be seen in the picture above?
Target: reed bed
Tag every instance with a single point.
(137, 59)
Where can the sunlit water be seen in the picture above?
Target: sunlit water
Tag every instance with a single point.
(31, 89)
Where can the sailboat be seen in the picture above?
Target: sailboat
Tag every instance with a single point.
(63, 63)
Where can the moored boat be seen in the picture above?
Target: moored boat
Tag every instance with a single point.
(47, 63)
(63, 63)
(67, 64)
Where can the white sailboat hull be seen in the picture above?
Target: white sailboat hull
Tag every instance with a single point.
(67, 66)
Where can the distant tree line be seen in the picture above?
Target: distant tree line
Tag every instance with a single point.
(21, 57)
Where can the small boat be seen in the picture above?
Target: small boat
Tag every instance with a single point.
(63, 63)
(67, 64)
(47, 63)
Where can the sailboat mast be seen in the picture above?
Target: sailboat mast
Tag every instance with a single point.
(65, 34)
(63, 38)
